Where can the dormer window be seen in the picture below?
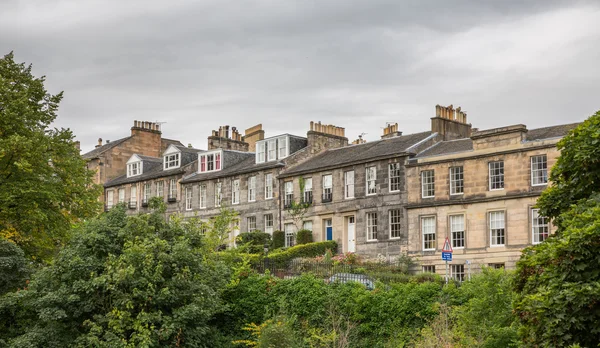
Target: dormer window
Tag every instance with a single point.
(273, 149)
(134, 169)
(172, 161)
(209, 162)
(260, 152)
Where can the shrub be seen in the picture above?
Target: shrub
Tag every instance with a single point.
(255, 241)
(304, 237)
(278, 239)
(303, 250)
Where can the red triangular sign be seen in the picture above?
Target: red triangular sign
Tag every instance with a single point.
(447, 247)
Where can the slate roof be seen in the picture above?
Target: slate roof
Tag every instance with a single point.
(246, 165)
(465, 145)
(550, 132)
(153, 167)
(359, 153)
(99, 150)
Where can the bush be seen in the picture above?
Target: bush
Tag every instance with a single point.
(255, 241)
(304, 237)
(303, 250)
(278, 239)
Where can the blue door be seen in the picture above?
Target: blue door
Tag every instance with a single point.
(328, 229)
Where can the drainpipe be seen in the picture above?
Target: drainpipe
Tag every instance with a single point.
(280, 202)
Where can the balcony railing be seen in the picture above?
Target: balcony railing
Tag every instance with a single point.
(172, 198)
(144, 202)
(327, 197)
(132, 205)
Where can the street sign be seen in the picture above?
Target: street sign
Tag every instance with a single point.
(447, 247)
(446, 256)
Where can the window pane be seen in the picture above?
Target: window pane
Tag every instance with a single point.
(540, 226)
(428, 183)
(394, 174)
(428, 231)
(497, 232)
(395, 223)
(457, 230)
(496, 175)
(539, 170)
(456, 180)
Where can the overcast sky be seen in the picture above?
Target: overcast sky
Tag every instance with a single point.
(357, 64)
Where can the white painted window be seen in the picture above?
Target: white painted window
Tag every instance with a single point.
(289, 194)
(188, 198)
(327, 188)
(427, 184)
(428, 269)
(457, 181)
(109, 198)
(395, 223)
(540, 226)
(371, 180)
(308, 190)
(160, 188)
(497, 228)
(457, 231)
(203, 193)
(457, 272)
(172, 161)
(260, 152)
(496, 172)
(349, 184)
(146, 193)
(371, 226)
(496, 265)
(252, 189)
(235, 191)
(272, 150)
(307, 225)
(172, 189)
(133, 195)
(428, 231)
(394, 175)
(290, 236)
(121, 195)
(268, 186)
(251, 223)
(268, 223)
(218, 195)
(134, 169)
(209, 162)
(539, 170)
(282, 144)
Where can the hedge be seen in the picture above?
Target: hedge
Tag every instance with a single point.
(256, 241)
(304, 237)
(278, 240)
(303, 250)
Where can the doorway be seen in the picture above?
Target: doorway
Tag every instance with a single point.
(328, 229)
(351, 234)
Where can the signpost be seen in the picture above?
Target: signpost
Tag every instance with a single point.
(447, 255)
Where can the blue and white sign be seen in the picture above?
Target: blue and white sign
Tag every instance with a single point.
(446, 256)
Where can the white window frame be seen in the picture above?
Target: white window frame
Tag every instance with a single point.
(268, 223)
(536, 225)
(252, 189)
(307, 225)
(429, 230)
(147, 190)
(251, 223)
(121, 192)
(497, 224)
(109, 199)
(218, 194)
(499, 175)
(457, 272)
(202, 195)
(173, 188)
(235, 191)
(457, 176)
(371, 218)
(327, 187)
(394, 173)
(282, 151)
(271, 150)
(188, 198)
(349, 184)
(290, 235)
(428, 183)
(260, 152)
(428, 269)
(171, 161)
(535, 170)
(160, 188)
(397, 222)
(371, 177)
(269, 186)
(307, 195)
(133, 194)
(288, 196)
(210, 159)
(134, 169)
(457, 224)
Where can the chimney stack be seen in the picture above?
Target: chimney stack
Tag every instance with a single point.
(322, 137)
(359, 141)
(99, 143)
(390, 131)
(224, 139)
(450, 123)
(252, 135)
(77, 145)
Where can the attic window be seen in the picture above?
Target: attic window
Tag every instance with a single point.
(172, 161)
(209, 162)
(134, 169)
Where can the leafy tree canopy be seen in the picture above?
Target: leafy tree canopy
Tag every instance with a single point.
(44, 183)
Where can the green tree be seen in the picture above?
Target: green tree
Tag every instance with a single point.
(13, 267)
(558, 281)
(120, 282)
(45, 185)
